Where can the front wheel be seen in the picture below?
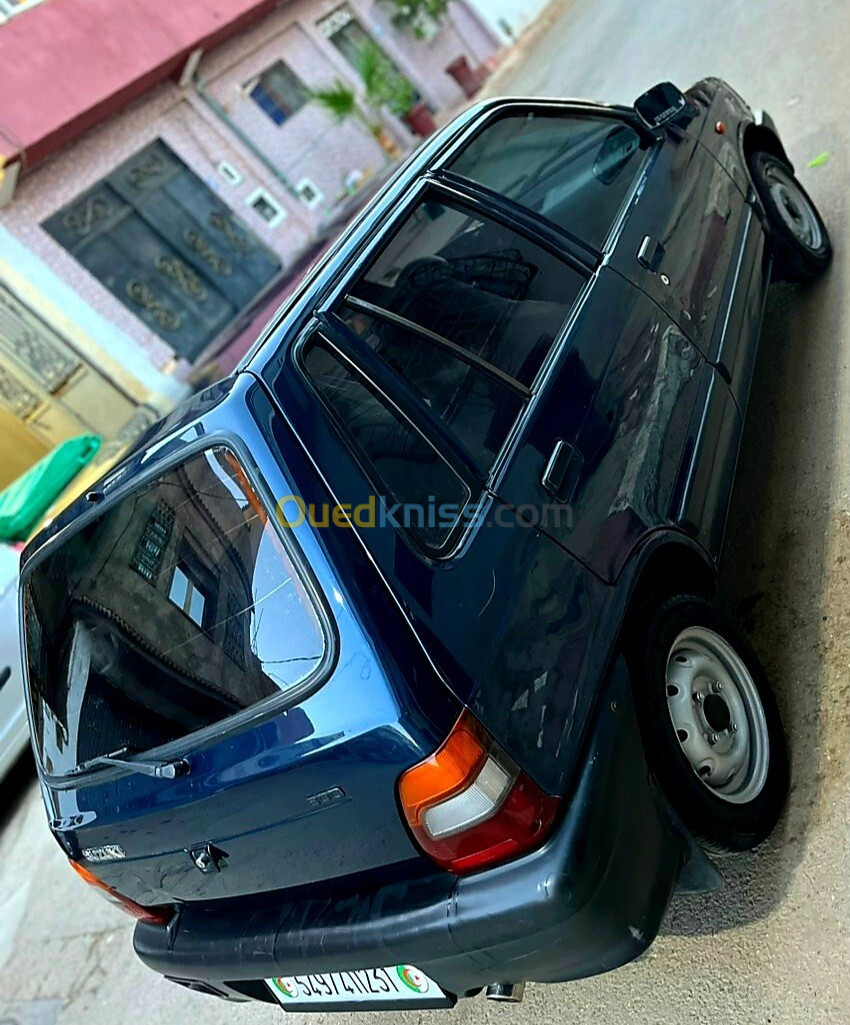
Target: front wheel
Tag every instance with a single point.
(713, 735)
(801, 245)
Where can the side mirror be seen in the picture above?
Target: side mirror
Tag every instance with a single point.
(662, 105)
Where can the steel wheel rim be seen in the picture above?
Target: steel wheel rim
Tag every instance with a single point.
(717, 715)
(794, 206)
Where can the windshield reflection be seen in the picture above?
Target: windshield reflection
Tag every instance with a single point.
(174, 610)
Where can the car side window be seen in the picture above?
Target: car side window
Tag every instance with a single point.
(478, 408)
(475, 282)
(465, 310)
(405, 468)
(574, 170)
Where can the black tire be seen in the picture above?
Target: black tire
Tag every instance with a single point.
(801, 246)
(715, 821)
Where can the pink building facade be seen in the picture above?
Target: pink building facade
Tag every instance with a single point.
(239, 127)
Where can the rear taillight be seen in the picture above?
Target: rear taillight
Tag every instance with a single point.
(469, 806)
(160, 915)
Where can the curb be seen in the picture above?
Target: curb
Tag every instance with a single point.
(518, 51)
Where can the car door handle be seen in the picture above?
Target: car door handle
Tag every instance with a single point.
(562, 472)
(5, 676)
(650, 254)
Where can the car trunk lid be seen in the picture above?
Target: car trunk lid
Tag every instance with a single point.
(181, 623)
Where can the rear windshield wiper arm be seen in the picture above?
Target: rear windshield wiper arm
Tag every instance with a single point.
(161, 770)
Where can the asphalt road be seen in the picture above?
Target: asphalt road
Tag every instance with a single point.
(774, 946)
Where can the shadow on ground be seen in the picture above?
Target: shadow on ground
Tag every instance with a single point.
(15, 787)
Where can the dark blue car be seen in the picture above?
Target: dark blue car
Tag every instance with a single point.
(386, 670)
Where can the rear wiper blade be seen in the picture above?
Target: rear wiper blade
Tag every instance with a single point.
(161, 770)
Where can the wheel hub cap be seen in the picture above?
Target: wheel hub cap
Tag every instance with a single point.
(794, 207)
(717, 715)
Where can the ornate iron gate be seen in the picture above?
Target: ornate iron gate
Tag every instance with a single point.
(48, 391)
(165, 245)
(34, 361)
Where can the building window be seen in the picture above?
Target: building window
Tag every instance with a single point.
(279, 92)
(151, 546)
(167, 247)
(188, 596)
(309, 193)
(193, 587)
(266, 206)
(336, 21)
(10, 7)
(229, 173)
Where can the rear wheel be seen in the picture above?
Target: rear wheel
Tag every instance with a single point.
(713, 734)
(801, 245)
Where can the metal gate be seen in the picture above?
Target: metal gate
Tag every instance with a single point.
(165, 245)
(48, 392)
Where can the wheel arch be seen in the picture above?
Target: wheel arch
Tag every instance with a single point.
(667, 563)
(760, 136)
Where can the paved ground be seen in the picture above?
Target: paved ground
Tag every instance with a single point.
(774, 947)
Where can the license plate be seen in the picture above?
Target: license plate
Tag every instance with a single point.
(368, 989)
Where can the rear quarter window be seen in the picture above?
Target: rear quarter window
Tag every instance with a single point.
(404, 467)
(176, 609)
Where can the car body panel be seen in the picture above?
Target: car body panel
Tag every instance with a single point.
(622, 396)
(735, 337)
(715, 434)
(734, 342)
(692, 208)
(729, 110)
(381, 712)
(469, 610)
(587, 901)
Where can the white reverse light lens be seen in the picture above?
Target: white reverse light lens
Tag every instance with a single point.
(481, 799)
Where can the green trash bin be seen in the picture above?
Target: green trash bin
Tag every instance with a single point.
(28, 498)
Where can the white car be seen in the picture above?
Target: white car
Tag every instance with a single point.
(14, 735)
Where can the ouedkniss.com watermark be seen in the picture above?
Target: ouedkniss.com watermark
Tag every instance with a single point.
(380, 512)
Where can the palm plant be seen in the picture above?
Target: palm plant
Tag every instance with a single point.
(340, 101)
(413, 14)
(383, 86)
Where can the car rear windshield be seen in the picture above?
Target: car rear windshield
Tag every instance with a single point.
(575, 171)
(174, 610)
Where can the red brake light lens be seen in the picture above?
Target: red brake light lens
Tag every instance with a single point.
(469, 806)
(160, 915)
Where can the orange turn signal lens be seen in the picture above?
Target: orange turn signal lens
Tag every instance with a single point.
(160, 915)
(469, 806)
(445, 773)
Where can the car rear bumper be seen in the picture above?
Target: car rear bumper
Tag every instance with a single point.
(590, 900)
